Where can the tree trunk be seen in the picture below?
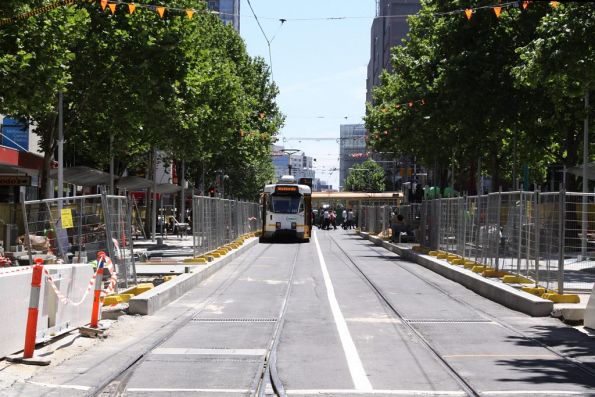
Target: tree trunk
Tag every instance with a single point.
(47, 130)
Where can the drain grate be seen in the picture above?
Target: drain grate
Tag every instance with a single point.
(234, 320)
(442, 321)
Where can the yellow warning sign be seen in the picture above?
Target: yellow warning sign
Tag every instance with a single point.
(67, 218)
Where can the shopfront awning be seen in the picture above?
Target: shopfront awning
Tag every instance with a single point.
(133, 183)
(578, 170)
(83, 176)
(166, 188)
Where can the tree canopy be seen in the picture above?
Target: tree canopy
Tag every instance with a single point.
(134, 81)
(366, 177)
(478, 92)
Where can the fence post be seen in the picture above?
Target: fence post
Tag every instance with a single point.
(27, 235)
(520, 244)
(108, 227)
(561, 239)
(31, 331)
(537, 236)
(498, 231)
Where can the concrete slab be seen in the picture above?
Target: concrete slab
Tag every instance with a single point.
(501, 293)
(151, 301)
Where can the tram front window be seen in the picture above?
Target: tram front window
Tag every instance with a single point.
(286, 204)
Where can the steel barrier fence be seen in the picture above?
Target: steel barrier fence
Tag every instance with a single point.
(74, 229)
(216, 222)
(547, 237)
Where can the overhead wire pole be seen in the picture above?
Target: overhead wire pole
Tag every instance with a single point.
(266, 37)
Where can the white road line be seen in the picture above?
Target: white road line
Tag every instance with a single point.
(535, 392)
(222, 352)
(356, 368)
(74, 387)
(370, 392)
(156, 390)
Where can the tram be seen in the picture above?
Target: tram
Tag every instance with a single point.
(287, 209)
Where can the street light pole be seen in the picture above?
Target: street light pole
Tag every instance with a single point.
(60, 144)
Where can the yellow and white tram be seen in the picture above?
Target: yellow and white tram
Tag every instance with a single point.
(287, 209)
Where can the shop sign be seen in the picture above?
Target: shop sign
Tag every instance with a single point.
(15, 134)
(15, 180)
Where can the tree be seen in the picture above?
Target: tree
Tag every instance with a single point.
(452, 98)
(366, 177)
(560, 60)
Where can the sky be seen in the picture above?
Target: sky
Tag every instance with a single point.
(319, 66)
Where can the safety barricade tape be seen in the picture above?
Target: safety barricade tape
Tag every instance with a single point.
(67, 301)
(7, 270)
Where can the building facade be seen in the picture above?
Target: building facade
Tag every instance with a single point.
(387, 31)
(352, 149)
(301, 165)
(229, 11)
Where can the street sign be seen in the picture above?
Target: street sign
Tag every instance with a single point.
(15, 134)
(15, 180)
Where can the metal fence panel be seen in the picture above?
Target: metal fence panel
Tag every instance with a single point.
(74, 229)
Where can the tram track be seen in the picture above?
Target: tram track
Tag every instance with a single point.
(115, 386)
(584, 368)
(457, 377)
(468, 388)
(270, 366)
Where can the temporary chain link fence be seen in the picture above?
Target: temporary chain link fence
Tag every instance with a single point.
(216, 222)
(547, 237)
(75, 229)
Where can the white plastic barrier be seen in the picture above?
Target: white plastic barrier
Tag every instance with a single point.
(55, 316)
(590, 311)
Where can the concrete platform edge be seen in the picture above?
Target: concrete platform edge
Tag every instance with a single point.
(500, 293)
(151, 301)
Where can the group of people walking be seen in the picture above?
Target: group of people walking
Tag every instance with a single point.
(326, 218)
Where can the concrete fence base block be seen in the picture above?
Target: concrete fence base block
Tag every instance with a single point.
(490, 289)
(151, 301)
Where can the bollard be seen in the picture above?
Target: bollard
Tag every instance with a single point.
(31, 330)
(98, 287)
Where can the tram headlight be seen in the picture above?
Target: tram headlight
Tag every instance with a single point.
(293, 225)
(278, 225)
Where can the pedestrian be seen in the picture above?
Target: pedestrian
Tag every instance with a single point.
(326, 219)
(350, 219)
(344, 218)
(333, 219)
(401, 231)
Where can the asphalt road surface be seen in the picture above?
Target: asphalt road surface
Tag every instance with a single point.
(357, 320)
(339, 337)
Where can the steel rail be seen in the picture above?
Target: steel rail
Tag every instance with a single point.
(270, 364)
(116, 386)
(580, 365)
(467, 388)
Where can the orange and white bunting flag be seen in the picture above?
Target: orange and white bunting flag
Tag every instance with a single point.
(468, 13)
(112, 7)
(131, 7)
(103, 4)
(160, 11)
(189, 13)
(497, 11)
(525, 5)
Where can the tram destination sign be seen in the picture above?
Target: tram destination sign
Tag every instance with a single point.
(15, 180)
(286, 189)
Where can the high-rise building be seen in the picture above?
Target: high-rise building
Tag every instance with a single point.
(352, 149)
(301, 165)
(388, 30)
(229, 11)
